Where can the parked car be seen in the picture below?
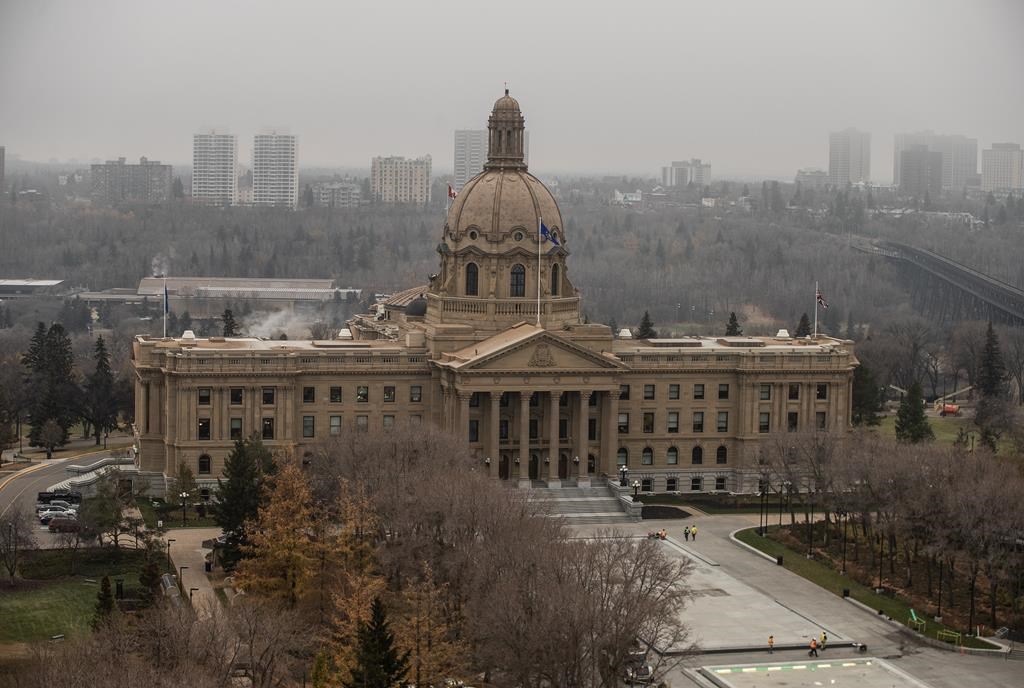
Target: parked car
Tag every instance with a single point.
(64, 525)
(47, 516)
(639, 674)
(56, 507)
(69, 496)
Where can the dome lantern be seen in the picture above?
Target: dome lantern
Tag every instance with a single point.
(506, 131)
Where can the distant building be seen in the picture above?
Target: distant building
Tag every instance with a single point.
(337, 194)
(959, 157)
(400, 180)
(207, 297)
(630, 198)
(215, 168)
(920, 171)
(849, 157)
(812, 178)
(275, 170)
(686, 172)
(116, 181)
(471, 153)
(1002, 168)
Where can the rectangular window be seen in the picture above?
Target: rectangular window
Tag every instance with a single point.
(673, 421)
(204, 396)
(236, 396)
(648, 421)
(623, 423)
(389, 394)
(416, 419)
(673, 391)
(474, 430)
(698, 421)
(335, 428)
(592, 401)
(268, 396)
(647, 457)
(720, 483)
(474, 400)
(503, 429)
(335, 395)
(820, 420)
(533, 428)
(672, 484)
(765, 392)
(821, 391)
(236, 428)
(645, 485)
(416, 394)
(723, 392)
(723, 422)
(308, 395)
(648, 392)
(268, 428)
(204, 429)
(592, 429)
(695, 484)
(563, 428)
(764, 422)
(534, 400)
(388, 422)
(504, 400)
(563, 400)
(794, 391)
(623, 392)
(362, 394)
(309, 426)
(792, 421)
(698, 391)
(362, 423)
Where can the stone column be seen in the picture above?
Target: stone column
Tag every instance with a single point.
(524, 439)
(462, 428)
(582, 428)
(553, 398)
(493, 418)
(610, 434)
(143, 406)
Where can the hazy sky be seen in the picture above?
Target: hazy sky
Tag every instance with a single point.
(752, 86)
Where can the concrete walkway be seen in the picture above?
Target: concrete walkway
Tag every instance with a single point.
(187, 550)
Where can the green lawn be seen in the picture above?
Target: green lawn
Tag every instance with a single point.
(51, 602)
(171, 514)
(945, 429)
(831, 580)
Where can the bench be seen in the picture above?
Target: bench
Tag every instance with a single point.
(916, 623)
(948, 636)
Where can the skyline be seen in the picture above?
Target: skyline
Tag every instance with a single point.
(756, 102)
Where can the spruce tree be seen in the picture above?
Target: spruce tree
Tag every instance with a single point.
(54, 393)
(99, 398)
(646, 328)
(911, 424)
(379, 664)
(865, 396)
(238, 493)
(733, 329)
(803, 329)
(230, 326)
(105, 604)
(991, 416)
(149, 582)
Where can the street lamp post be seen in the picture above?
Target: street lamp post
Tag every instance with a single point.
(623, 476)
(184, 496)
(785, 484)
(169, 541)
(181, 577)
(636, 490)
(190, 591)
(881, 540)
(845, 518)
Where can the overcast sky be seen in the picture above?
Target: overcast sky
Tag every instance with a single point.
(751, 86)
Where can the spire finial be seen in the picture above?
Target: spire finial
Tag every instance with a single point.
(506, 88)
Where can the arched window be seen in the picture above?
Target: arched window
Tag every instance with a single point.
(672, 456)
(518, 284)
(554, 279)
(722, 454)
(472, 279)
(204, 464)
(623, 456)
(647, 458)
(697, 455)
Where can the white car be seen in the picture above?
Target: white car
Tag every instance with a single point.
(45, 516)
(56, 508)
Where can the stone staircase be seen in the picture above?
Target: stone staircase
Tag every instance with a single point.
(582, 505)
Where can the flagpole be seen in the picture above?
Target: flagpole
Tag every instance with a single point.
(540, 223)
(815, 309)
(164, 304)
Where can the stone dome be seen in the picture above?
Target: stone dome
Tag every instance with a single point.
(498, 203)
(506, 102)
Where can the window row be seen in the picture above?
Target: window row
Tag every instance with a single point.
(335, 395)
(672, 484)
(267, 431)
(672, 456)
(764, 421)
(517, 280)
(672, 422)
(764, 391)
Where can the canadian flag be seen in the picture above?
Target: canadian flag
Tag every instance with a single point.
(451, 193)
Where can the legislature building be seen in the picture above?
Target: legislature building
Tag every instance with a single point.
(493, 349)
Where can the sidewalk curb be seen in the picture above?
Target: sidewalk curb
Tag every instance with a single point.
(732, 536)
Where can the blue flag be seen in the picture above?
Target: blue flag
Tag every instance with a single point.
(167, 302)
(547, 235)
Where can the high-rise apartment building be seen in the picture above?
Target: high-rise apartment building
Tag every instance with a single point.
(337, 194)
(1002, 168)
(399, 180)
(685, 172)
(215, 167)
(959, 157)
(920, 171)
(275, 169)
(812, 178)
(116, 181)
(849, 157)
(471, 153)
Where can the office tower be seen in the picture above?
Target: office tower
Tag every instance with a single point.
(470, 154)
(685, 172)
(116, 181)
(214, 167)
(812, 178)
(275, 169)
(399, 180)
(849, 157)
(1002, 167)
(920, 171)
(959, 157)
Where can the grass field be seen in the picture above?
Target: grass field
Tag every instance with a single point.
(171, 515)
(945, 429)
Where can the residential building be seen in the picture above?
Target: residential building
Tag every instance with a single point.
(849, 157)
(471, 154)
(686, 172)
(959, 157)
(400, 180)
(343, 194)
(215, 167)
(494, 349)
(1002, 168)
(116, 181)
(812, 178)
(920, 172)
(275, 169)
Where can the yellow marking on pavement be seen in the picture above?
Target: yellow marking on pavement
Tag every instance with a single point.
(799, 666)
(749, 669)
(20, 473)
(824, 666)
(774, 668)
(723, 671)
(846, 664)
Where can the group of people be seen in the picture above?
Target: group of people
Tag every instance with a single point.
(816, 644)
(688, 532)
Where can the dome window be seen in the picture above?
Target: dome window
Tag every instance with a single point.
(517, 286)
(473, 235)
(472, 279)
(518, 236)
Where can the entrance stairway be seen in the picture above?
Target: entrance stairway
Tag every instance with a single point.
(581, 505)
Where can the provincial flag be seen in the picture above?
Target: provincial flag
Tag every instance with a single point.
(451, 193)
(820, 299)
(167, 302)
(547, 235)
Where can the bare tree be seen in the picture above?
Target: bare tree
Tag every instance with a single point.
(16, 536)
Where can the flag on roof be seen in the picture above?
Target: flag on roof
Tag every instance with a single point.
(548, 235)
(451, 193)
(820, 299)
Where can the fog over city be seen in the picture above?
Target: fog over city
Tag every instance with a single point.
(607, 87)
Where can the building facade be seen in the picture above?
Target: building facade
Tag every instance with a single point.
(1002, 168)
(811, 178)
(470, 154)
(215, 168)
(400, 180)
(685, 172)
(493, 348)
(337, 194)
(116, 181)
(275, 170)
(959, 157)
(849, 157)
(920, 172)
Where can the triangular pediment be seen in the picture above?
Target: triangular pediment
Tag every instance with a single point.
(538, 352)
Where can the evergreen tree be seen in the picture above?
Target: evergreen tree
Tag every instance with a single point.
(379, 664)
(851, 327)
(992, 415)
(238, 493)
(645, 330)
(614, 327)
(803, 329)
(105, 604)
(177, 188)
(911, 424)
(99, 399)
(185, 321)
(55, 395)
(733, 329)
(149, 582)
(230, 326)
(307, 196)
(866, 399)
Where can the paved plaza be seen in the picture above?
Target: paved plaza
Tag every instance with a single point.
(848, 673)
